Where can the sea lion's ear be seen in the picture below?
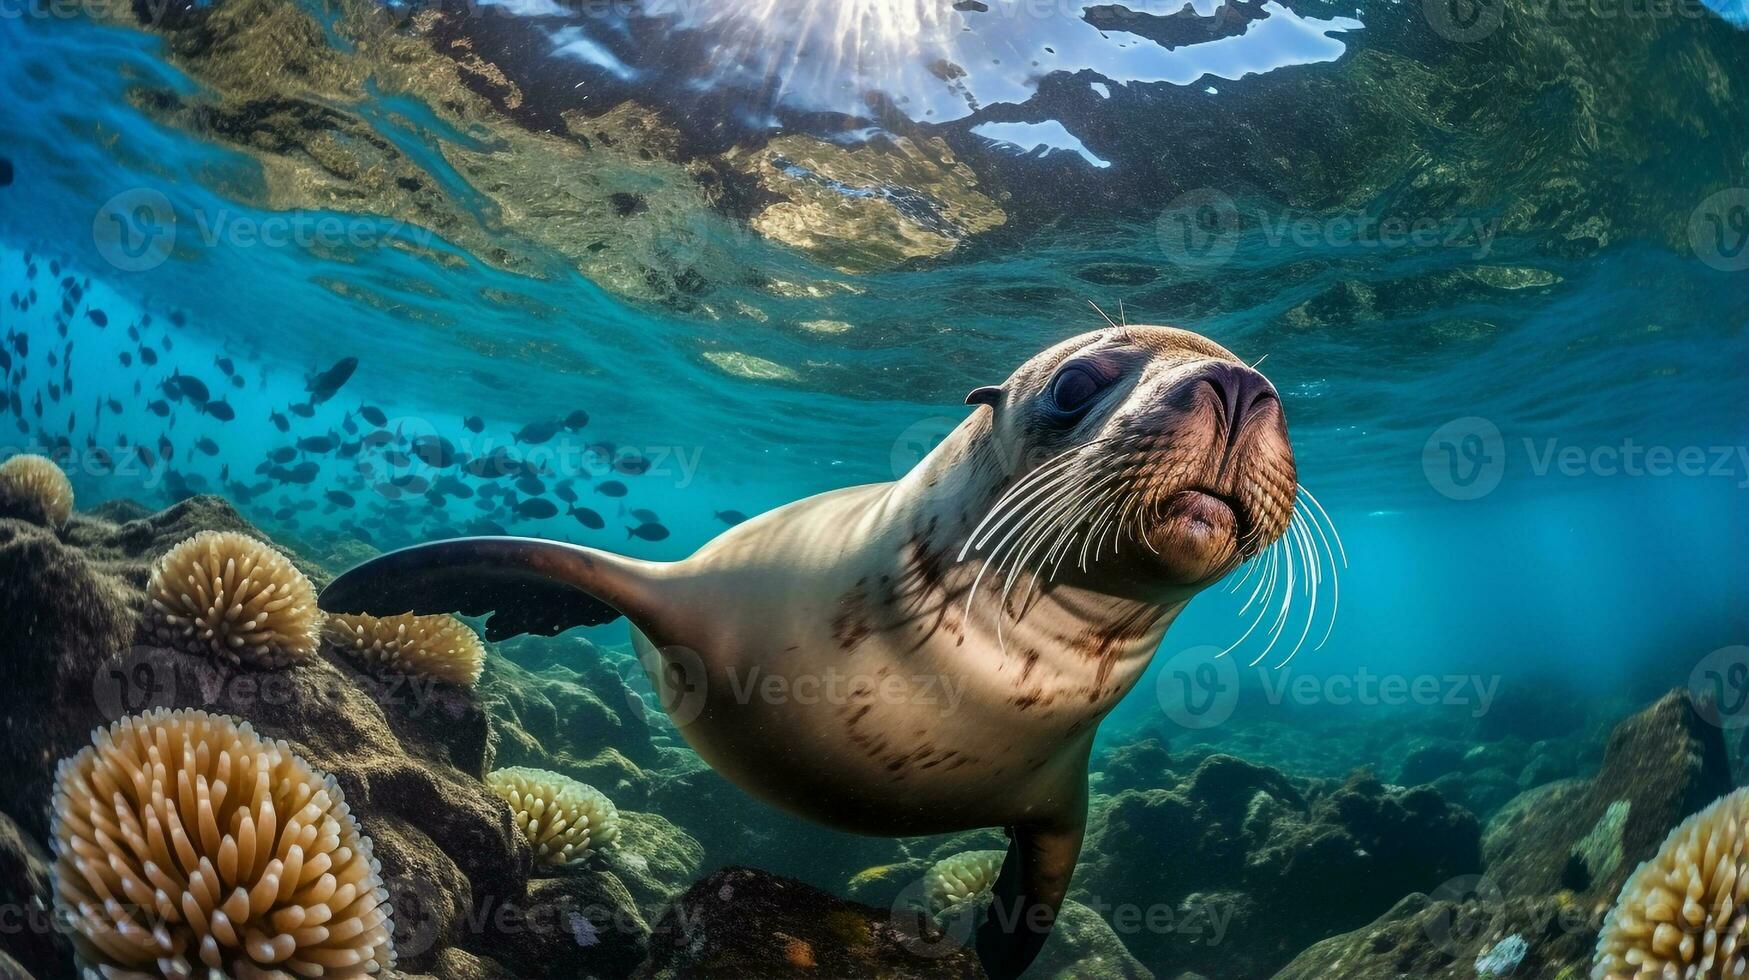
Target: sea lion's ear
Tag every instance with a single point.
(987, 395)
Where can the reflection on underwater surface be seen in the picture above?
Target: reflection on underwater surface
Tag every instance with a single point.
(625, 275)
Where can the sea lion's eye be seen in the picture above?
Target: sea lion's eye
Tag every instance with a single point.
(1074, 387)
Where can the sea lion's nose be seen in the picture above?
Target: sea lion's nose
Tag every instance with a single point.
(1240, 391)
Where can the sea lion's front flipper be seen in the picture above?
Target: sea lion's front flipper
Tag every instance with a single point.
(1029, 890)
(527, 585)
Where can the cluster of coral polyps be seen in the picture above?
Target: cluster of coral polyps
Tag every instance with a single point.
(1682, 914)
(227, 595)
(563, 819)
(186, 845)
(33, 487)
(442, 647)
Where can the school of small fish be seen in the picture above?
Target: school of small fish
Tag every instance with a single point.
(366, 476)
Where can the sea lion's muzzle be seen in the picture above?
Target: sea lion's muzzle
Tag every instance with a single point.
(1212, 459)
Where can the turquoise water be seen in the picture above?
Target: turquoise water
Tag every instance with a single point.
(1636, 344)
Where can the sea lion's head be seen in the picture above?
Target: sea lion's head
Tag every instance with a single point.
(1150, 459)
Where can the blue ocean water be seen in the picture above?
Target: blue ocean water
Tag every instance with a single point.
(1585, 560)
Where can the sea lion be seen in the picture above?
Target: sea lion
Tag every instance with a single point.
(1031, 562)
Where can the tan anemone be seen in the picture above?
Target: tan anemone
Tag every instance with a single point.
(563, 819)
(442, 647)
(960, 878)
(188, 846)
(37, 487)
(227, 595)
(1682, 913)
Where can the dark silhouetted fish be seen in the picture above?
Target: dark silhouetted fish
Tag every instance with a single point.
(160, 408)
(434, 451)
(474, 423)
(323, 386)
(611, 488)
(224, 364)
(534, 508)
(730, 517)
(318, 444)
(576, 420)
(207, 446)
(279, 421)
(303, 411)
(566, 492)
(374, 416)
(148, 356)
(632, 464)
(536, 433)
(127, 359)
(219, 410)
(647, 532)
(531, 484)
(98, 317)
(284, 454)
(340, 498)
(588, 518)
(644, 515)
(304, 472)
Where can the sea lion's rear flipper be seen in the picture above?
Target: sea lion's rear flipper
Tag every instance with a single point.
(1029, 890)
(527, 585)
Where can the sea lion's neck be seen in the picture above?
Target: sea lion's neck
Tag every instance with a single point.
(938, 507)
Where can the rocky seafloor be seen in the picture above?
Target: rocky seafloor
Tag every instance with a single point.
(1509, 841)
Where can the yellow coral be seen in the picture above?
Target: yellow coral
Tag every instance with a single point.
(186, 845)
(1682, 913)
(564, 819)
(442, 647)
(228, 595)
(37, 484)
(961, 878)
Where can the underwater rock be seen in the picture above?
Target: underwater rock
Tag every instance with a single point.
(407, 760)
(1083, 946)
(27, 896)
(553, 720)
(1430, 761)
(1434, 939)
(1660, 766)
(655, 859)
(1143, 764)
(63, 618)
(577, 925)
(749, 923)
(1238, 850)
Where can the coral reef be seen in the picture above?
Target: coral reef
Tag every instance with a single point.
(1553, 857)
(564, 820)
(235, 598)
(441, 647)
(1681, 913)
(1238, 849)
(33, 488)
(184, 842)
